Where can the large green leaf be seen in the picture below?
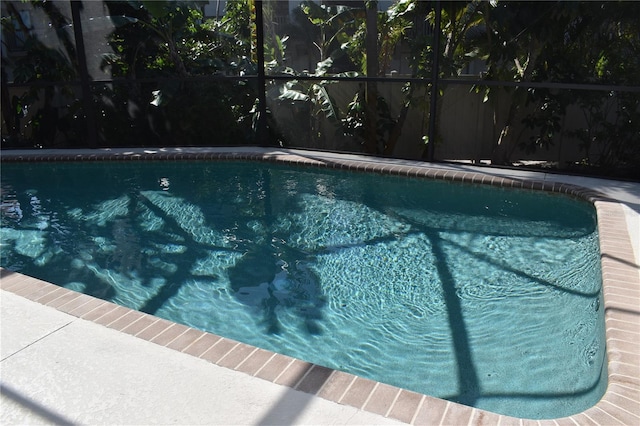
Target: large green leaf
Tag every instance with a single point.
(122, 20)
(326, 103)
(314, 12)
(293, 95)
(157, 8)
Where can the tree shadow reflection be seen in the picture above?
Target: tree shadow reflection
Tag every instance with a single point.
(469, 385)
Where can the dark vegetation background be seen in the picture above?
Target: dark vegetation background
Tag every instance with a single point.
(553, 85)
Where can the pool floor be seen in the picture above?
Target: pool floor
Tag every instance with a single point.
(621, 288)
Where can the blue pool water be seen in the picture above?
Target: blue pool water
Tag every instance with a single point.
(483, 296)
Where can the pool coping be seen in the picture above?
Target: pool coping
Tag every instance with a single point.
(621, 293)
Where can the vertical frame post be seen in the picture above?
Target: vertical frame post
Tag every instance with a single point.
(261, 136)
(87, 98)
(435, 76)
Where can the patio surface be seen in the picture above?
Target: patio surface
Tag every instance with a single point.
(67, 358)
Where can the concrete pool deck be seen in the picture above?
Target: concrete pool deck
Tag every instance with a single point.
(68, 358)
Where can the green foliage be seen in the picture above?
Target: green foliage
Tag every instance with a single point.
(545, 120)
(342, 40)
(392, 27)
(608, 48)
(169, 39)
(162, 51)
(572, 42)
(355, 118)
(43, 113)
(308, 102)
(336, 24)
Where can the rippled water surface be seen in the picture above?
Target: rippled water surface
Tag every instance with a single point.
(484, 296)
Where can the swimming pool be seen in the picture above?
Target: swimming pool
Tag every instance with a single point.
(379, 235)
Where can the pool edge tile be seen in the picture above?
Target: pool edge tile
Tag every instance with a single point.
(406, 406)
(359, 392)
(314, 379)
(382, 399)
(432, 411)
(294, 373)
(273, 367)
(254, 362)
(219, 349)
(185, 339)
(202, 344)
(236, 356)
(336, 386)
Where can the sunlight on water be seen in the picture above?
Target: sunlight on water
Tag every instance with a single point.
(479, 295)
